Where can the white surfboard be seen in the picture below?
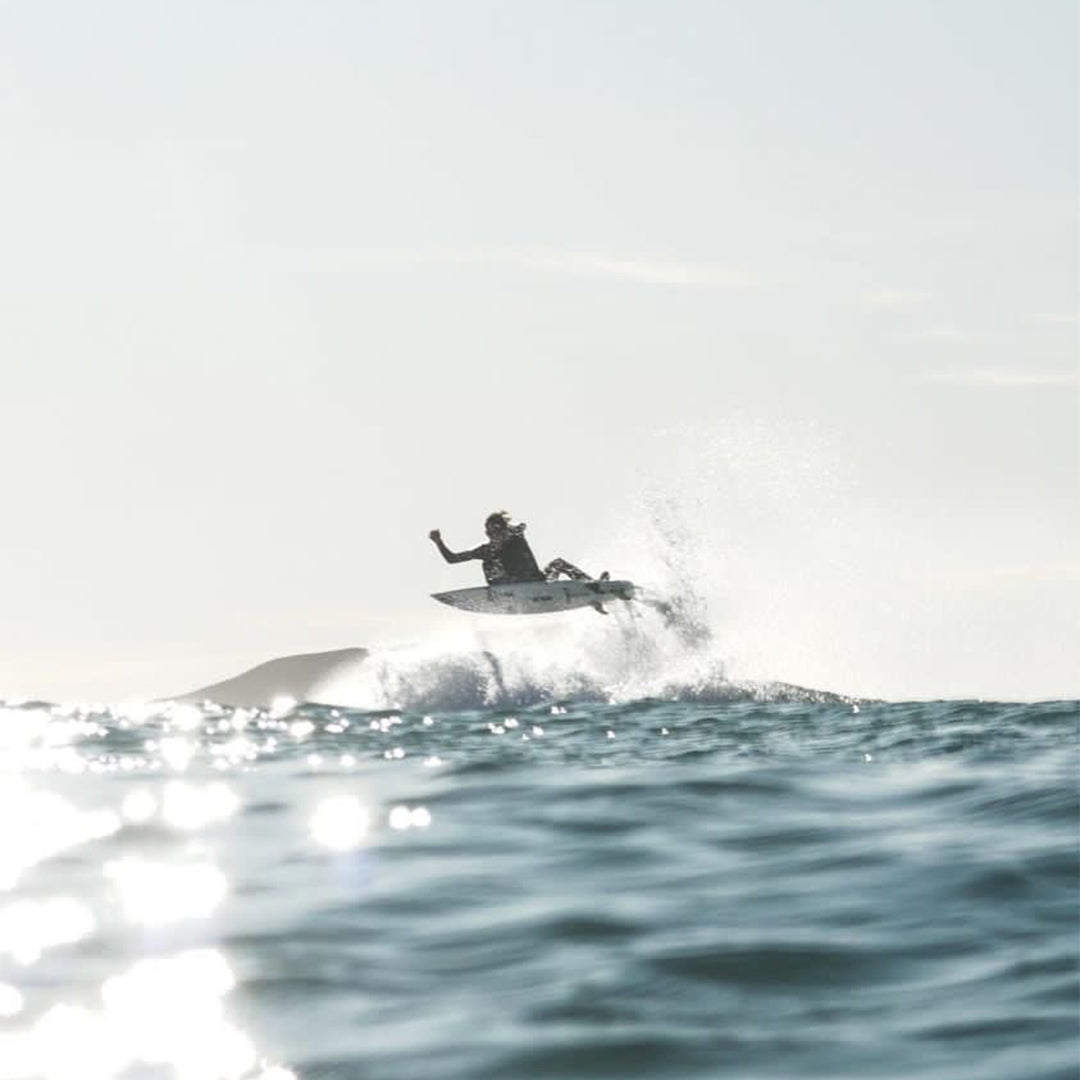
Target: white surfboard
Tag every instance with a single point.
(536, 597)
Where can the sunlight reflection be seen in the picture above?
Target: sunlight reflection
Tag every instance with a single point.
(184, 717)
(240, 719)
(340, 822)
(48, 824)
(169, 1011)
(11, 1001)
(236, 751)
(301, 729)
(139, 806)
(385, 724)
(161, 1012)
(281, 706)
(29, 927)
(69, 1042)
(189, 806)
(401, 817)
(154, 893)
(35, 739)
(177, 752)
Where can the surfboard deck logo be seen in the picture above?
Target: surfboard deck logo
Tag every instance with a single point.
(536, 597)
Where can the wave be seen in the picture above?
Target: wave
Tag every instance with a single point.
(662, 652)
(661, 648)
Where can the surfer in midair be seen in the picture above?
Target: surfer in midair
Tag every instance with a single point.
(507, 557)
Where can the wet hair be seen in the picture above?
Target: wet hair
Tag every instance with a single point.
(500, 517)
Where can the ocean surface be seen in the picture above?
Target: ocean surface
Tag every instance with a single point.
(759, 888)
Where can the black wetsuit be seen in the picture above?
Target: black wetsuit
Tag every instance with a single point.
(508, 560)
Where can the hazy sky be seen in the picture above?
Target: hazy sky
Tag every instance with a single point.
(287, 284)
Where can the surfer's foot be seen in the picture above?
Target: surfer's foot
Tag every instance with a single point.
(605, 576)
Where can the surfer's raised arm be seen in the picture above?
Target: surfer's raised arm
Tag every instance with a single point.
(456, 556)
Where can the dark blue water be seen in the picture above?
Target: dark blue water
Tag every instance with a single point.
(742, 889)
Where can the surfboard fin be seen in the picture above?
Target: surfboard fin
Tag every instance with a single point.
(600, 607)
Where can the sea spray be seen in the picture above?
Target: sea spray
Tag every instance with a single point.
(641, 652)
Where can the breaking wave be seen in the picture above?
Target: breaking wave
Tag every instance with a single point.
(660, 651)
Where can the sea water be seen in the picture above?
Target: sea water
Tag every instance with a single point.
(754, 886)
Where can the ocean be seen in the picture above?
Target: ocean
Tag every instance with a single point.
(757, 886)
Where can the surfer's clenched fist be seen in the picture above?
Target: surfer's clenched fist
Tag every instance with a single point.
(435, 535)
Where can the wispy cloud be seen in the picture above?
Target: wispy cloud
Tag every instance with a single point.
(644, 269)
(1000, 377)
(895, 298)
(1050, 571)
(946, 334)
(1060, 572)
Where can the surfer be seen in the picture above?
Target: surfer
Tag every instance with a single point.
(507, 557)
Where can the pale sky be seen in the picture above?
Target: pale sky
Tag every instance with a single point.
(286, 284)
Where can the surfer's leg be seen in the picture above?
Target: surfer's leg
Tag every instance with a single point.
(561, 566)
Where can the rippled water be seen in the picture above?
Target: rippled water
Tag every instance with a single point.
(643, 890)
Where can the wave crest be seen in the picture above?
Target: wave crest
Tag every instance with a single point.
(663, 652)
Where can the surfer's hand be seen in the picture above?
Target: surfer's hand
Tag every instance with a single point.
(435, 535)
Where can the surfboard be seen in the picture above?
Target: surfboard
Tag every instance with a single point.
(536, 597)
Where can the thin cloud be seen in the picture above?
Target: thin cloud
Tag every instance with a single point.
(648, 270)
(1051, 571)
(946, 334)
(998, 377)
(645, 269)
(895, 298)
(1059, 572)
(1063, 318)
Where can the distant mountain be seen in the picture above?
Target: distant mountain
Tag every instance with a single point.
(288, 676)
